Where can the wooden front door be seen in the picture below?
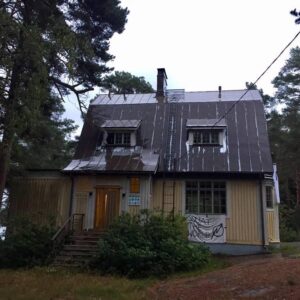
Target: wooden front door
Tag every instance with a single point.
(107, 206)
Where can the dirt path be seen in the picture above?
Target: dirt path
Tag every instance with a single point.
(248, 278)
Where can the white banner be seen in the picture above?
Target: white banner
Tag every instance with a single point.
(207, 229)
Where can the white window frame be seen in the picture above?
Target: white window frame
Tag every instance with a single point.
(122, 133)
(272, 195)
(212, 189)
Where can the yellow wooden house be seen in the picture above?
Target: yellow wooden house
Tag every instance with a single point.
(204, 155)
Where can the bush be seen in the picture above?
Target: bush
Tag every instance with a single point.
(148, 244)
(26, 245)
(289, 224)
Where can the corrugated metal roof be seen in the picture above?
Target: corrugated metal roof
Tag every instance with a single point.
(205, 123)
(180, 96)
(121, 124)
(247, 146)
(117, 160)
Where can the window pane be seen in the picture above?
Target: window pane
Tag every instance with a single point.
(219, 201)
(118, 138)
(205, 201)
(269, 196)
(205, 185)
(191, 205)
(197, 137)
(206, 197)
(110, 138)
(215, 137)
(205, 136)
(126, 137)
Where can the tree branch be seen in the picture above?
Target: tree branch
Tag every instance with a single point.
(73, 89)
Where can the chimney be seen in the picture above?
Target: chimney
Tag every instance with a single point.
(161, 84)
(220, 92)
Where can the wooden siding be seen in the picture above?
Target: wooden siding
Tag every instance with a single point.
(172, 193)
(272, 225)
(243, 213)
(243, 220)
(85, 185)
(40, 198)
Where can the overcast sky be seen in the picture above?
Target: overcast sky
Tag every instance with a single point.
(203, 44)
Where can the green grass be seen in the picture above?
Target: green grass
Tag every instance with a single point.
(63, 284)
(51, 283)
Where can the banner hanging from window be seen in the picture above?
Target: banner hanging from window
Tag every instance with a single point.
(206, 229)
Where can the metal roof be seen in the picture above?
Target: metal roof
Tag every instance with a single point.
(247, 146)
(121, 124)
(119, 159)
(205, 123)
(178, 95)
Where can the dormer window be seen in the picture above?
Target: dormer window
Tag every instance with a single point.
(118, 139)
(206, 137)
(206, 132)
(120, 132)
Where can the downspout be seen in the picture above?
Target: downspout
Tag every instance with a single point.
(263, 224)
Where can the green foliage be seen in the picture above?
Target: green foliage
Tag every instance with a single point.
(26, 245)
(148, 244)
(126, 83)
(49, 49)
(289, 224)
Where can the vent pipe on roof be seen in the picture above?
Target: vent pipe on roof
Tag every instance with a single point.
(220, 92)
(161, 85)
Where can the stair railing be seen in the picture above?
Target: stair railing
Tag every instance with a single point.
(73, 223)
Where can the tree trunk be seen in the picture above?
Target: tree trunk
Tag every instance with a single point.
(5, 152)
(298, 188)
(9, 126)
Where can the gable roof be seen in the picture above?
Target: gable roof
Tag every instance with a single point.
(247, 149)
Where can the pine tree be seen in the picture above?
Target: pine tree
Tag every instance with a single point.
(49, 48)
(286, 141)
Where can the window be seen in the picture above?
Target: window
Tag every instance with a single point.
(205, 197)
(269, 196)
(118, 138)
(206, 137)
(134, 185)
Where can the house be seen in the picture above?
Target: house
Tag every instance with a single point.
(205, 155)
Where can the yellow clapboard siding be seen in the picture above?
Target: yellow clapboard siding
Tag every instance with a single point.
(40, 198)
(243, 221)
(272, 225)
(134, 209)
(172, 195)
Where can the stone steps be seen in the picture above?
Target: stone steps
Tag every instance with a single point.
(79, 250)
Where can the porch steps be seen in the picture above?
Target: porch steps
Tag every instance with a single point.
(79, 250)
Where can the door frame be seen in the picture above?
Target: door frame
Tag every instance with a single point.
(106, 187)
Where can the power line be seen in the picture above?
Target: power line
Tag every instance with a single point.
(250, 87)
(255, 82)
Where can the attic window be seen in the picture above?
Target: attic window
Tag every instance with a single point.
(120, 132)
(119, 138)
(206, 137)
(207, 132)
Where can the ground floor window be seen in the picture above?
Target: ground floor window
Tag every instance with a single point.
(269, 196)
(205, 197)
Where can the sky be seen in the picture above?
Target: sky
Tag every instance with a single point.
(203, 44)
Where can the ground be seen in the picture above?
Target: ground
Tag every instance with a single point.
(259, 277)
(250, 277)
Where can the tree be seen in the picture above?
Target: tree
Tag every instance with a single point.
(268, 101)
(126, 83)
(287, 144)
(49, 48)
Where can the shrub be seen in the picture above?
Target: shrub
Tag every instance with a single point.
(26, 245)
(148, 244)
(289, 224)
